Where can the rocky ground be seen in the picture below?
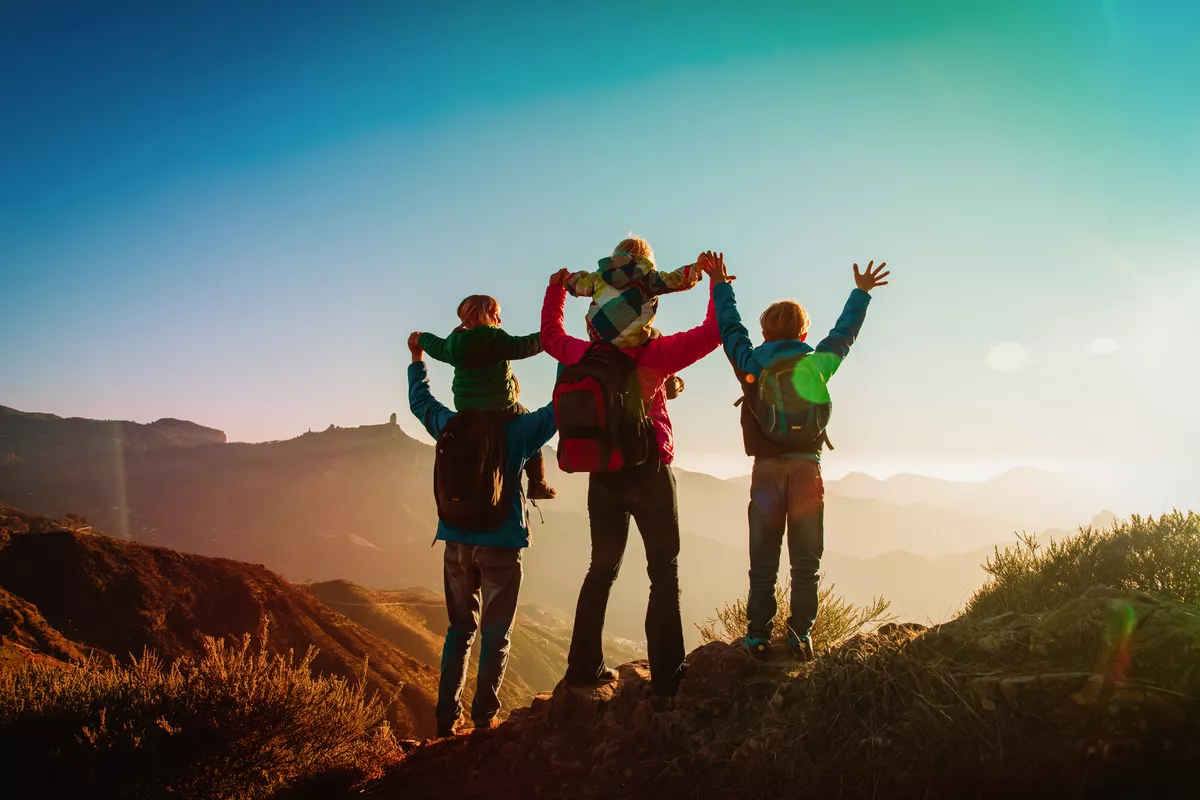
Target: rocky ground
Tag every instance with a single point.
(1099, 697)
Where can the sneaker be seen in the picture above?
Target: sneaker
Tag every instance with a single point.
(757, 646)
(801, 646)
(541, 491)
(486, 725)
(603, 676)
(446, 731)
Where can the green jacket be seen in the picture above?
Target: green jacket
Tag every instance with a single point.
(483, 379)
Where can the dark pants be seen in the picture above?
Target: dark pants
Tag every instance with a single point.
(785, 492)
(535, 466)
(477, 578)
(647, 493)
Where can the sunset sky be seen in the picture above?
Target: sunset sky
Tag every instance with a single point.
(235, 215)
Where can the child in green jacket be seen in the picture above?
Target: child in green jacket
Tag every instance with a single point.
(480, 352)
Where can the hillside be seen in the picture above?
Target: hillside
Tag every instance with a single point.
(63, 593)
(356, 504)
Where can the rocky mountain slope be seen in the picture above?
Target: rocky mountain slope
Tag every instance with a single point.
(64, 593)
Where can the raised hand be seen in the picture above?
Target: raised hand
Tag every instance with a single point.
(414, 346)
(714, 265)
(560, 278)
(870, 279)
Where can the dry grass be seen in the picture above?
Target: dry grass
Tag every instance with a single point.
(238, 722)
(1160, 556)
(837, 619)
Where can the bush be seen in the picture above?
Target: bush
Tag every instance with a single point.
(236, 723)
(837, 620)
(1160, 556)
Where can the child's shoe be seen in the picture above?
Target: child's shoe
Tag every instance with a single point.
(541, 490)
(800, 646)
(757, 647)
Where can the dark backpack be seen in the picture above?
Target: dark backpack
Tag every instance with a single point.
(601, 417)
(777, 400)
(468, 472)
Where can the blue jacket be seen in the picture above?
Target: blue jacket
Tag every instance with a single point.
(524, 436)
(750, 360)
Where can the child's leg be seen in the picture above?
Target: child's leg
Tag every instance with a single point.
(768, 517)
(806, 540)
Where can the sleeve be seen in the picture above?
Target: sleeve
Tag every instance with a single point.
(515, 348)
(848, 325)
(677, 280)
(734, 335)
(537, 428)
(563, 348)
(428, 411)
(583, 284)
(670, 354)
(435, 347)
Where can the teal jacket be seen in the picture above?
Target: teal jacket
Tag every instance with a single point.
(483, 379)
(524, 436)
(815, 371)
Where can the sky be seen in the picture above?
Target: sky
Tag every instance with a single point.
(235, 213)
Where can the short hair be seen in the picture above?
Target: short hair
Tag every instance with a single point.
(635, 245)
(477, 309)
(786, 319)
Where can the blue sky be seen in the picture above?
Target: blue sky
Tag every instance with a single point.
(233, 214)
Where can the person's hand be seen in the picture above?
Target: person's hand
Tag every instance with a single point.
(414, 346)
(560, 278)
(716, 268)
(869, 280)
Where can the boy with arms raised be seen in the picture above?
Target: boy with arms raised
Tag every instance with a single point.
(785, 410)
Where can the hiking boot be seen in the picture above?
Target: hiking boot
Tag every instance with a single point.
(541, 491)
(446, 731)
(603, 676)
(800, 646)
(757, 646)
(486, 725)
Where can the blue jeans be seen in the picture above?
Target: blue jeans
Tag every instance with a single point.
(785, 493)
(478, 580)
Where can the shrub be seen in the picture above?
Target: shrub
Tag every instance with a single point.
(837, 620)
(1160, 556)
(236, 723)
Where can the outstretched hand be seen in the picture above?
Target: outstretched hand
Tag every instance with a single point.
(414, 346)
(714, 264)
(870, 279)
(560, 278)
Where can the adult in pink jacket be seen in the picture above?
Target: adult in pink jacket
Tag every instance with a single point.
(645, 492)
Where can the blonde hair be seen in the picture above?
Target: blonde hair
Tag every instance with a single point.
(637, 246)
(478, 309)
(786, 319)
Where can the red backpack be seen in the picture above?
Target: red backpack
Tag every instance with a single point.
(601, 417)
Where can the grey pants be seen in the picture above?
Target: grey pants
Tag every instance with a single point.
(482, 584)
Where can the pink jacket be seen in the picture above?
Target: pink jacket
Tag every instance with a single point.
(656, 360)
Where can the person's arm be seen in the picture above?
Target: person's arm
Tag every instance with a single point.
(677, 280)
(537, 428)
(555, 341)
(583, 284)
(670, 354)
(436, 347)
(515, 348)
(734, 336)
(834, 348)
(421, 402)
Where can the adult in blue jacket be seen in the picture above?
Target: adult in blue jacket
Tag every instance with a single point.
(786, 489)
(482, 569)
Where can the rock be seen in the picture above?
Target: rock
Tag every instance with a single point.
(587, 706)
(714, 668)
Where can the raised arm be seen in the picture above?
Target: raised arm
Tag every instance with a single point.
(670, 354)
(583, 284)
(563, 348)
(734, 336)
(677, 280)
(421, 402)
(515, 348)
(435, 346)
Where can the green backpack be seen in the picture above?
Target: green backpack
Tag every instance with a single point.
(790, 401)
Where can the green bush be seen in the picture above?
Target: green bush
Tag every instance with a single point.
(1160, 556)
(236, 723)
(837, 620)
